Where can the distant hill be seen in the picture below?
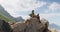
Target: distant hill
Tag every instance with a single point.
(6, 16)
(4, 12)
(54, 26)
(19, 19)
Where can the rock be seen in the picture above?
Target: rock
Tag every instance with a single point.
(11, 24)
(34, 24)
(19, 27)
(46, 23)
(53, 30)
(4, 26)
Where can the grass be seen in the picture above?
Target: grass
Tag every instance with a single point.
(5, 18)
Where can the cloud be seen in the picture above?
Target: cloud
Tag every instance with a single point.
(49, 15)
(53, 7)
(51, 1)
(13, 6)
(1, 1)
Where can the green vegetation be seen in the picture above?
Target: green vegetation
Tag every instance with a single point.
(5, 18)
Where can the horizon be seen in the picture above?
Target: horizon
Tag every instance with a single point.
(48, 9)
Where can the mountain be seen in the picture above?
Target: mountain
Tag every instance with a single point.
(54, 26)
(4, 12)
(5, 18)
(19, 19)
(5, 15)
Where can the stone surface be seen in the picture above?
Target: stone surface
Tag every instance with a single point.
(32, 25)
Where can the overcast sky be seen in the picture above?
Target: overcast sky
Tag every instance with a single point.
(48, 9)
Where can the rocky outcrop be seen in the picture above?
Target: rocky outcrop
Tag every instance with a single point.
(46, 23)
(4, 26)
(34, 24)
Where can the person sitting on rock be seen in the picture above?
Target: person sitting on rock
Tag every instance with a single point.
(32, 14)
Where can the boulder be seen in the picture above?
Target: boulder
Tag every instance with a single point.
(33, 24)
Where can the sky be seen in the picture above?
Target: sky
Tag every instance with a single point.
(48, 9)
